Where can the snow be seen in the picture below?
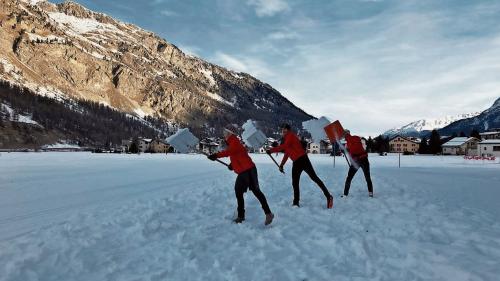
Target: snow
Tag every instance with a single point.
(492, 141)
(33, 2)
(221, 99)
(236, 75)
(429, 124)
(82, 216)
(316, 127)
(21, 118)
(10, 69)
(49, 92)
(61, 145)
(46, 39)
(7, 66)
(140, 113)
(208, 75)
(83, 25)
(458, 141)
(252, 136)
(183, 140)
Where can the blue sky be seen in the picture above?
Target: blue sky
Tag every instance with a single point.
(372, 64)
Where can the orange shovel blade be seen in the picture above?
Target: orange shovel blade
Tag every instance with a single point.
(334, 131)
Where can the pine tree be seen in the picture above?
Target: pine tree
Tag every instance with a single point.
(424, 147)
(475, 134)
(435, 143)
(369, 145)
(133, 148)
(462, 134)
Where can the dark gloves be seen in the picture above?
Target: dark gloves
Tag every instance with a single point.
(268, 151)
(212, 157)
(230, 167)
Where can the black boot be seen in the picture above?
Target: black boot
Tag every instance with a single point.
(239, 220)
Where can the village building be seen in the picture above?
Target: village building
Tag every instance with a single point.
(489, 147)
(493, 135)
(144, 144)
(159, 146)
(323, 147)
(209, 145)
(313, 148)
(461, 146)
(399, 144)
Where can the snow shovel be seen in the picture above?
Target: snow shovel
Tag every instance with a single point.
(335, 132)
(255, 138)
(315, 127)
(183, 141)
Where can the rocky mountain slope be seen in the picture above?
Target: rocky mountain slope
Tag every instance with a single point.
(423, 127)
(66, 50)
(487, 120)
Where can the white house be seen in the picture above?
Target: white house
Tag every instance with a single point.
(313, 148)
(144, 144)
(494, 135)
(461, 146)
(490, 148)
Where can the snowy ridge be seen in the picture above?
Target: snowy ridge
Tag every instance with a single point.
(428, 124)
(488, 119)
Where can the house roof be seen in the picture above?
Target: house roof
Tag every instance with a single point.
(458, 141)
(490, 142)
(405, 138)
(489, 133)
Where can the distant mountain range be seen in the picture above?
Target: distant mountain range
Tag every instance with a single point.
(487, 120)
(423, 127)
(68, 52)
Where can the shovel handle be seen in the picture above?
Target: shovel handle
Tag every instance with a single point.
(274, 160)
(222, 162)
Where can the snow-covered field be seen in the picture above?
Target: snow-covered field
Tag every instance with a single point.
(81, 216)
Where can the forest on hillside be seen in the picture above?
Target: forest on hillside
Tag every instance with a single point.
(84, 122)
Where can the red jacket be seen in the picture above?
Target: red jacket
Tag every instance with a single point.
(355, 147)
(238, 154)
(291, 146)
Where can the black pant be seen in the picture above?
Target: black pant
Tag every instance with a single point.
(245, 180)
(304, 164)
(364, 164)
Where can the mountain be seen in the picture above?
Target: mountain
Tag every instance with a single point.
(487, 120)
(423, 127)
(67, 51)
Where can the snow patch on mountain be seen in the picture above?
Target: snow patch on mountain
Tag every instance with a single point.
(221, 99)
(17, 117)
(82, 25)
(208, 74)
(428, 124)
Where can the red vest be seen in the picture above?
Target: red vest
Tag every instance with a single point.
(291, 146)
(355, 147)
(238, 155)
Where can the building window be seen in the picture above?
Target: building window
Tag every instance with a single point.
(496, 148)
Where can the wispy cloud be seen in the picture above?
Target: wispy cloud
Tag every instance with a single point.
(168, 13)
(243, 64)
(267, 8)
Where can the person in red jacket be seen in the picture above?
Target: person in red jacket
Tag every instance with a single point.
(243, 166)
(360, 157)
(292, 147)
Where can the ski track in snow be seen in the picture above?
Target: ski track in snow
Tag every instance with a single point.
(157, 217)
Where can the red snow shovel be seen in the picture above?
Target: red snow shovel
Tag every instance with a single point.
(335, 132)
